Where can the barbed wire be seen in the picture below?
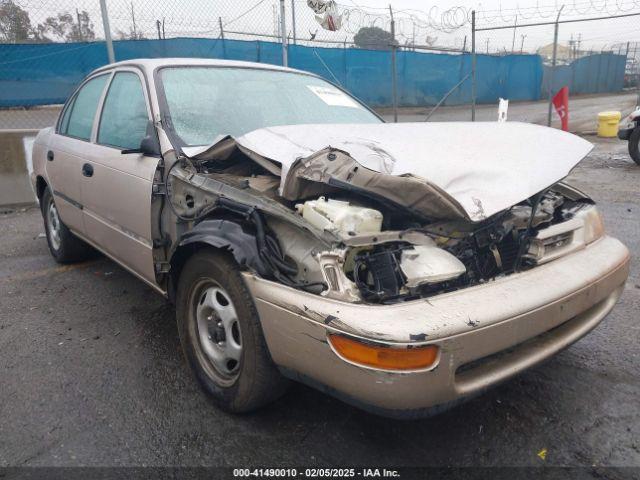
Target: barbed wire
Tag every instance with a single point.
(542, 11)
(259, 17)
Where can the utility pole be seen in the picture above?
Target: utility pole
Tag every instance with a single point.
(394, 73)
(553, 65)
(513, 41)
(522, 37)
(293, 20)
(107, 31)
(579, 43)
(283, 35)
(158, 28)
(571, 47)
(487, 46)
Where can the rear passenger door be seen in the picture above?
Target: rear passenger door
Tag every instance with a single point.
(68, 148)
(117, 193)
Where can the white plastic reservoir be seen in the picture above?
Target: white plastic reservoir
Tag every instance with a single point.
(340, 217)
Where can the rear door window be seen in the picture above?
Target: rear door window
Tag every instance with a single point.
(124, 119)
(80, 121)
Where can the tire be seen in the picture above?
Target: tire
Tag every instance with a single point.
(221, 334)
(64, 246)
(634, 145)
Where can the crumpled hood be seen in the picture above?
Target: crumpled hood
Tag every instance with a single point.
(483, 166)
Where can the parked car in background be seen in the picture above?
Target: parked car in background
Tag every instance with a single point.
(401, 267)
(630, 130)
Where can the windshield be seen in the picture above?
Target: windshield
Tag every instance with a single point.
(204, 102)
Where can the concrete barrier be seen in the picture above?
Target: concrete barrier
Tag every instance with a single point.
(16, 166)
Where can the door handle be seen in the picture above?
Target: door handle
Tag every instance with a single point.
(50, 155)
(87, 170)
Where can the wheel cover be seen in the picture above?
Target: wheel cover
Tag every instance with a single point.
(53, 225)
(218, 331)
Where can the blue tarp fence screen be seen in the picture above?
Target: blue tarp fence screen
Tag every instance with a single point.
(599, 73)
(42, 74)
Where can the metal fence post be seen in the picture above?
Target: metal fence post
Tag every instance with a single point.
(293, 21)
(283, 34)
(394, 68)
(107, 31)
(553, 66)
(224, 49)
(473, 66)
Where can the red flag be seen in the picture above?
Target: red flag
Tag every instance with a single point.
(561, 102)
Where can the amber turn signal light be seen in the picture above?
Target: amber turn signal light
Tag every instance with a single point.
(386, 358)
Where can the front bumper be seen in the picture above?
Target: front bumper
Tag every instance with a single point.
(486, 333)
(625, 133)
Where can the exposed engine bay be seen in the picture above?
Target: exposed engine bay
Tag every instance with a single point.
(347, 243)
(441, 256)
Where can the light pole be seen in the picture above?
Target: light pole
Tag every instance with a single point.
(107, 31)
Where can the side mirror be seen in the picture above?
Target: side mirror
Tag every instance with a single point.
(149, 145)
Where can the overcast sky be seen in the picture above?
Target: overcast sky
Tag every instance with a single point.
(439, 22)
(596, 35)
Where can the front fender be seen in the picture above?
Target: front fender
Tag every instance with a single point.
(228, 235)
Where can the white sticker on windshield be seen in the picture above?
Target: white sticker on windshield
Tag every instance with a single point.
(333, 96)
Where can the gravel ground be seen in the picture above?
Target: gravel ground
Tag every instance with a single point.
(92, 374)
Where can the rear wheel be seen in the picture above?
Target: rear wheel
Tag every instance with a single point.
(221, 334)
(634, 145)
(64, 246)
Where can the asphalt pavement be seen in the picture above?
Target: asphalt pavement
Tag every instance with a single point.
(91, 373)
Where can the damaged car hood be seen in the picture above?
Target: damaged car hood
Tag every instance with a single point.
(478, 169)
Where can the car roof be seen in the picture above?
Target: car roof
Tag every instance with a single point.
(151, 64)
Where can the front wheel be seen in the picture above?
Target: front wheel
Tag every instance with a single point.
(634, 145)
(221, 335)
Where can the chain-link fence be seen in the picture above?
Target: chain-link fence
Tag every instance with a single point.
(388, 57)
(586, 54)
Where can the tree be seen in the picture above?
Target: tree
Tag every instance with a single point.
(69, 29)
(373, 38)
(15, 25)
(130, 35)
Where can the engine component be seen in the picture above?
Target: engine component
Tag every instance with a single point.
(338, 285)
(429, 264)
(378, 275)
(520, 215)
(340, 217)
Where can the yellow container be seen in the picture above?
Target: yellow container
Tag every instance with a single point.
(608, 124)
